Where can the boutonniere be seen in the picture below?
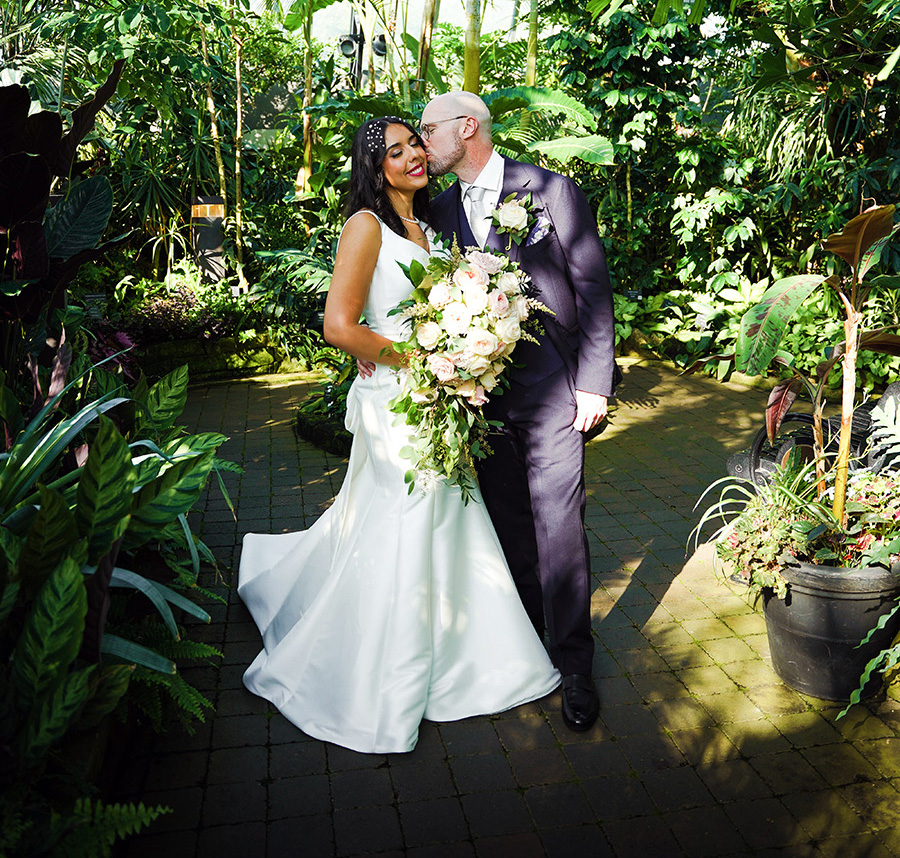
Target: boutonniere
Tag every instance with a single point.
(514, 218)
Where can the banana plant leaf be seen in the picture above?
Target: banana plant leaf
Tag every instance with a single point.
(763, 326)
(860, 234)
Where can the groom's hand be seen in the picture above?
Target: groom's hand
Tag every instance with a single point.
(590, 409)
(365, 367)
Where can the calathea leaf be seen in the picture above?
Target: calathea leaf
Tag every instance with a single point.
(49, 538)
(54, 712)
(103, 500)
(78, 221)
(763, 326)
(52, 634)
(106, 689)
(161, 501)
(166, 399)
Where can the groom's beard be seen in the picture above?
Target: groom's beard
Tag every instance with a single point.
(440, 165)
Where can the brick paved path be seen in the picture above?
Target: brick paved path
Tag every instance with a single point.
(699, 750)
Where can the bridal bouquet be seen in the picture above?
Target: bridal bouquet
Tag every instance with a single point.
(466, 314)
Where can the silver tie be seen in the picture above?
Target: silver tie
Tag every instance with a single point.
(478, 217)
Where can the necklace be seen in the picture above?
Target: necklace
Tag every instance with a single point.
(407, 219)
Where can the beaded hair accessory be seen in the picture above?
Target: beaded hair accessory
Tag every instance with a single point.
(375, 131)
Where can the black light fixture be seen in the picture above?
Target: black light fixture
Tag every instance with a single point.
(379, 45)
(349, 44)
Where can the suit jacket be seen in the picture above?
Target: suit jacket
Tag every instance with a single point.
(567, 267)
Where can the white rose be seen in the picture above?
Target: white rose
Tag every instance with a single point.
(476, 298)
(488, 380)
(508, 329)
(508, 282)
(442, 367)
(520, 307)
(457, 318)
(513, 216)
(478, 364)
(489, 262)
(498, 303)
(439, 296)
(480, 341)
(466, 388)
(428, 334)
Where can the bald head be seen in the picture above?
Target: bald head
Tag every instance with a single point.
(457, 128)
(461, 103)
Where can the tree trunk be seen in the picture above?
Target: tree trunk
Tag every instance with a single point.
(531, 62)
(213, 118)
(238, 165)
(472, 54)
(429, 18)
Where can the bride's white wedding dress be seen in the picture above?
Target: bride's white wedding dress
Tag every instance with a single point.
(392, 607)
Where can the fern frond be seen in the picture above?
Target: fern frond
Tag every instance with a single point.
(94, 827)
(885, 436)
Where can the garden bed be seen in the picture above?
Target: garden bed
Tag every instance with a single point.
(211, 360)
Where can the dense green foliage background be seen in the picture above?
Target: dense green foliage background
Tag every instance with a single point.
(739, 143)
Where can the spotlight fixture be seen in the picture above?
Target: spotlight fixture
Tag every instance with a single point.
(349, 44)
(379, 45)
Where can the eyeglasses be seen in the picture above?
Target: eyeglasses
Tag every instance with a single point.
(426, 131)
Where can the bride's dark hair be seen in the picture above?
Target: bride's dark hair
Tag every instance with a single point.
(368, 188)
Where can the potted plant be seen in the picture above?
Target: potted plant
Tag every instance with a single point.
(821, 539)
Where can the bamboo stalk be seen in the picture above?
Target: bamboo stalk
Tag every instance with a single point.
(472, 52)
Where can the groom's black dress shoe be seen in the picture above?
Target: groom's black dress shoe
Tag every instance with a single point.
(580, 703)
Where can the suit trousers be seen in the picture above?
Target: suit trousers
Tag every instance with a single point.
(533, 487)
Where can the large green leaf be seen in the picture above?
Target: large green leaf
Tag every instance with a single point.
(126, 578)
(77, 221)
(37, 448)
(762, 326)
(103, 500)
(52, 634)
(8, 599)
(54, 713)
(166, 399)
(161, 501)
(49, 537)
(541, 100)
(592, 149)
(134, 653)
(106, 689)
(301, 10)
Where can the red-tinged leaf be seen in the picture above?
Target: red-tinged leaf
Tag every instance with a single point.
(825, 367)
(780, 401)
(869, 257)
(860, 234)
(763, 326)
(880, 341)
(700, 363)
(61, 363)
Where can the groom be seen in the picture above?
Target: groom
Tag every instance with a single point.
(533, 483)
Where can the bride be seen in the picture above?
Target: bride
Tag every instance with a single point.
(392, 607)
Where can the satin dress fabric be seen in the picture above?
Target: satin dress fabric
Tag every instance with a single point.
(392, 607)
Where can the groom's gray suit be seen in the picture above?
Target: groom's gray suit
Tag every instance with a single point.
(533, 483)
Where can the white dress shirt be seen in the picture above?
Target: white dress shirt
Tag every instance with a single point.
(491, 179)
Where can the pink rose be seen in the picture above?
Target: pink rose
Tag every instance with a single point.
(478, 397)
(474, 275)
(498, 303)
(489, 262)
(442, 367)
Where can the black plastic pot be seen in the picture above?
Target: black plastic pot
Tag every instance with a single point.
(814, 633)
